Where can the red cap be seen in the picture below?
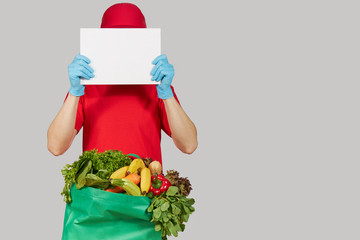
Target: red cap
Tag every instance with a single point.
(123, 15)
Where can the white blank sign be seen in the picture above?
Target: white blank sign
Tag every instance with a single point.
(120, 56)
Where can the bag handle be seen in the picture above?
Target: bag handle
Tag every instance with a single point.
(133, 156)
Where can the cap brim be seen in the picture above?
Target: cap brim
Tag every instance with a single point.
(123, 26)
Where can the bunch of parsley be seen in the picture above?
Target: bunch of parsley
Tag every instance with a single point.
(170, 211)
(92, 169)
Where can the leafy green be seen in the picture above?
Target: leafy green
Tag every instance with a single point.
(96, 182)
(68, 172)
(101, 165)
(157, 227)
(157, 213)
(182, 183)
(164, 207)
(172, 190)
(110, 161)
(80, 175)
(169, 212)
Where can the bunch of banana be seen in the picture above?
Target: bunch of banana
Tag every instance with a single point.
(136, 166)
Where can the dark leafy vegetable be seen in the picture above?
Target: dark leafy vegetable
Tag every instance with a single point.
(100, 165)
(170, 211)
(96, 182)
(80, 175)
(182, 183)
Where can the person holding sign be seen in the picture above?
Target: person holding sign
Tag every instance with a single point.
(128, 118)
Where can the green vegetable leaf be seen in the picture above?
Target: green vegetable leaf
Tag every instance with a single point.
(171, 199)
(165, 218)
(163, 234)
(187, 210)
(185, 217)
(157, 213)
(150, 208)
(103, 173)
(190, 201)
(175, 210)
(172, 190)
(177, 227)
(182, 226)
(94, 181)
(158, 202)
(150, 195)
(171, 227)
(80, 177)
(157, 227)
(165, 206)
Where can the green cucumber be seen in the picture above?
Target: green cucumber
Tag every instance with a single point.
(127, 185)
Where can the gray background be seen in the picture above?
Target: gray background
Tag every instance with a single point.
(272, 87)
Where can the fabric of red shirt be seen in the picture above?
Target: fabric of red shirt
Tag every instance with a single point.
(128, 118)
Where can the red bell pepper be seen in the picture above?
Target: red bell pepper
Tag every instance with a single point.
(159, 184)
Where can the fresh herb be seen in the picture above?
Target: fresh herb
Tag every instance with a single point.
(182, 183)
(68, 172)
(104, 164)
(92, 169)
(170, 211)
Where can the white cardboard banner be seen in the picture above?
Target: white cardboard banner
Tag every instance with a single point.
(120, 55)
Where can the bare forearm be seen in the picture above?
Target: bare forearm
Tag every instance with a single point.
(183, 130)
(61, 131)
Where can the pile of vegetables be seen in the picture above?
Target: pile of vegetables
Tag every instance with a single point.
(92, 169)
(116, 172)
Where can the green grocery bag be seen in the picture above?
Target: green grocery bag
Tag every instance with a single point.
(96, 214)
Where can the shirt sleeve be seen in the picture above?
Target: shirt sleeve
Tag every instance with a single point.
(79, 114)
(163, 117)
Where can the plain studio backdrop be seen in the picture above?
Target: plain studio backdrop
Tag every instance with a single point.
(272, 86)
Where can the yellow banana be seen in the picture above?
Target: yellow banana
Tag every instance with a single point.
(136, 166)
(120, 173)
(145, 181)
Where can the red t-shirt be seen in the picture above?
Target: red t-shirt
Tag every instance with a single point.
(128, 118)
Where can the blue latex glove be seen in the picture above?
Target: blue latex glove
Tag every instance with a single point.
(79, 68)
(164, 72)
